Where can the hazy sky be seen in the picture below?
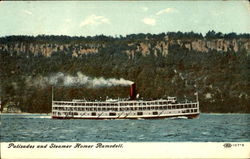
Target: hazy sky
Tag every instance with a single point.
(121, 18)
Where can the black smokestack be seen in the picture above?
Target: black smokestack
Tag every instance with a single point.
(133, 92)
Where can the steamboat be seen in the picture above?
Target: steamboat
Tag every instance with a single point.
(125, 109)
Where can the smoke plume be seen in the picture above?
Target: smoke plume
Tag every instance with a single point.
(61, 79)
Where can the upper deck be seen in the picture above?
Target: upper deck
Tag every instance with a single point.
(161, 102)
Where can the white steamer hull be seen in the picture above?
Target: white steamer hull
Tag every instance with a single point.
(95, 110)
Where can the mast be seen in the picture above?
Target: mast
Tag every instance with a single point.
(52, 97)
(52, 94)
(197, 101)
(197, 97)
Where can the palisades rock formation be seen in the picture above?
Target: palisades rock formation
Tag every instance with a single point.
(168, 64)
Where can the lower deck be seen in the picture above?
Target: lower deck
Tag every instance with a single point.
(124, 114)
(189, 116)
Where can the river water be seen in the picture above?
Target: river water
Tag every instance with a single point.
(208, 128)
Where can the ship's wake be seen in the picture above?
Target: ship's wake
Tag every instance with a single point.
(178, 118)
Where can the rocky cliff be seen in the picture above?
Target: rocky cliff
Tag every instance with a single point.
(175, 64)
(144, 47)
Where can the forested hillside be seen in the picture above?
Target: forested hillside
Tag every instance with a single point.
(178, 64)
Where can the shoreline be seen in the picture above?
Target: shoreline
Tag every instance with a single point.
(25, 113)
(50, 113)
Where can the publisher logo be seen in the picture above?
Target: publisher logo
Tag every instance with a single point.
(227, 145)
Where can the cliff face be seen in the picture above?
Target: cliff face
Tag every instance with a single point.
(144, 47)
(47, 49)
(177, 65)
(203, 46)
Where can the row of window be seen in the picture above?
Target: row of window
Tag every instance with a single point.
(65, 113)
(126, 108)
(190, 111)
(93, 113)
(114, 104)
(114, 114)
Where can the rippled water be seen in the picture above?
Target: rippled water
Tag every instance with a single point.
(209, 127)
